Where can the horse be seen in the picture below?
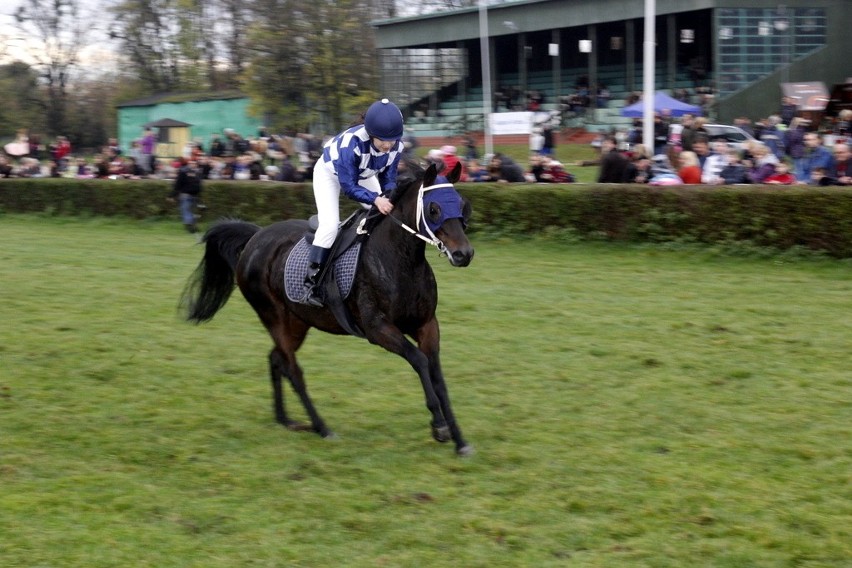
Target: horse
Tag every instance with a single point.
(393, 296)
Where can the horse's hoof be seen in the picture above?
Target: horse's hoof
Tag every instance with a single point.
(465, 451)
(441, 434)
(329, 435)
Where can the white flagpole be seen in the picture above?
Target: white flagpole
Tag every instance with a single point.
(649, 60)
(486, 76)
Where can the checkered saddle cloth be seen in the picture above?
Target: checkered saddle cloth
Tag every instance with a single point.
(296, 267)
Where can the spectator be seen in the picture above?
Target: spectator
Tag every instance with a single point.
(5, 167)
(639, 170)
(714, 162)
(504, 169)
(288, 171)
(82, 169)
(256, 168)
(690, 171)
(450, 161)
(187, 188)
(782, 175)
(545, 169)
(816, 156)
(476, 173)
(772, 136)
(409, 142)
(734, 171)
(30, 168)
(147, 144)
(662, 173)
(763, 163)
(102, 166)
(843, 126)
(744, 123)
(536, 167)
(112, 145)
(536, 140)
(842, 171)
(548, 140)
(271, 172)
(820, 178)
(794, 144)
(614, 165)
(132, 169)
(435, 156)
(62, 149)
(241, 168)
(470, 148)
(701, 147)
(788, 111)
(688, 132)
(661, 134)
(217, 147)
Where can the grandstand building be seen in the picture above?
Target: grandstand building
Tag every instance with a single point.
(731, 55)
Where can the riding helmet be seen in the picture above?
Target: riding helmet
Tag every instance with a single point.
(384, 120)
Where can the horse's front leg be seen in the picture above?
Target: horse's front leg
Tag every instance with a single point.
(428, 339)
(428, 368)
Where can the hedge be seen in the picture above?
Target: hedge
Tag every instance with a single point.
(819, 219)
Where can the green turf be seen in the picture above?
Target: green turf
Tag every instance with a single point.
(629, 406)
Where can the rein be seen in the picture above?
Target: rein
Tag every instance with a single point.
(428, 238)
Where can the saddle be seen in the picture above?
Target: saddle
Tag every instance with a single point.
(337, 276)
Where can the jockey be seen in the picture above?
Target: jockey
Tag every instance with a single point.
(362, 161)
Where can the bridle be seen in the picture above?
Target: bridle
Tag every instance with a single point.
(429, 237)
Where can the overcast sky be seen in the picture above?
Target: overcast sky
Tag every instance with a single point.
(15, 47)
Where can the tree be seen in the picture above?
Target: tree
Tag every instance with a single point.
(23, 102)
(182, 45)
(312, 62)
(56, 33)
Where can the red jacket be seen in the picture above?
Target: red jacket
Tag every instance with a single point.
(690, 175)
(450, 161)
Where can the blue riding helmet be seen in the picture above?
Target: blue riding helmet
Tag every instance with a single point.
(384, 120)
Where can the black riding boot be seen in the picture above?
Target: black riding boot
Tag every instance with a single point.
(316, 259)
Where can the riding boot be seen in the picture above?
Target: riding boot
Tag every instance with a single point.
(316, 262)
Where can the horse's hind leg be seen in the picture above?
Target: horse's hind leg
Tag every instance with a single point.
(297, 381)
(277, 369)
(282, 361)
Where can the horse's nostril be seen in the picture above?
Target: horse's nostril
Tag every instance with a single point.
(462, 258)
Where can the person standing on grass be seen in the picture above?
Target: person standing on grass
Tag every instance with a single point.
(187, 188)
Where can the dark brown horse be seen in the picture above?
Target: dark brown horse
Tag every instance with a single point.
(393, 296)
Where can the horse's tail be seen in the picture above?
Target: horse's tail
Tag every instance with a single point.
(210, 286)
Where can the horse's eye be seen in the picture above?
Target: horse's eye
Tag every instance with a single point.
(434, 212)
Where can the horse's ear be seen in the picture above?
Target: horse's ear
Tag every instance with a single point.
(430, 175)
(454, 175)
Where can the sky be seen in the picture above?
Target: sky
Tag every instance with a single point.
(14, 46)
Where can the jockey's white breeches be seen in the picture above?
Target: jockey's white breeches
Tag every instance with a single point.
(327, 196)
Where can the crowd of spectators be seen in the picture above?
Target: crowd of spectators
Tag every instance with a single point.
(227, 156)
(785, 150)
(542, 168)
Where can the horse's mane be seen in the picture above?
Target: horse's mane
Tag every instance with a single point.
(411, 172)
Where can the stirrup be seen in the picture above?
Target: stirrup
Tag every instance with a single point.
(313, 298)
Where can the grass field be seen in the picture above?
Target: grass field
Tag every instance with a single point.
(629, 406)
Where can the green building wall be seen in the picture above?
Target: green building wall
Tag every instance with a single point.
(206, 117)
